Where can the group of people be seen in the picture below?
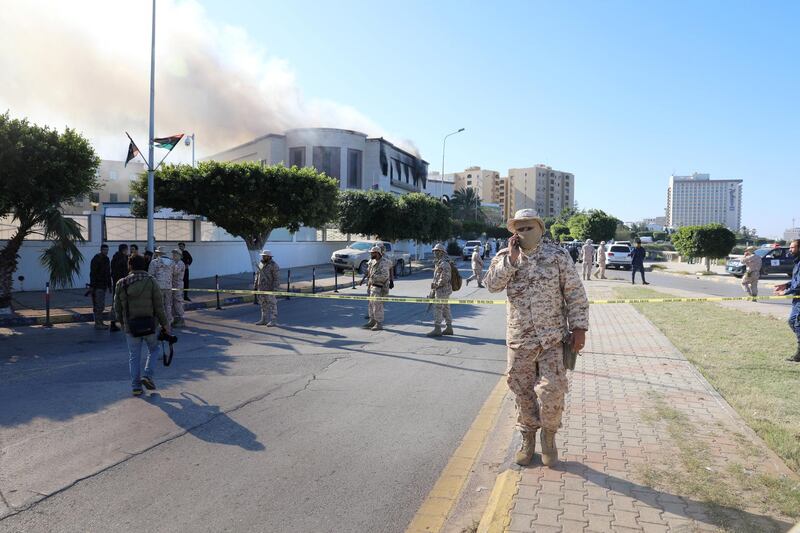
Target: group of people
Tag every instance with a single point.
(591, 256)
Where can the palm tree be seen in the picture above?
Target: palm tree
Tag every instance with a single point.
(465, 203)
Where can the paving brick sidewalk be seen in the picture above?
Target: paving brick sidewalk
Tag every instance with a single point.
(609, 439)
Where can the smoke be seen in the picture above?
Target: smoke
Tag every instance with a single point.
(86, 64)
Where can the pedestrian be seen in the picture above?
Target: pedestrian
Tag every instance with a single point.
(138, 305)
(601, 260)
(573, 252)
(99, 283)
(160, 268)
(267, 280)
(587, 255)
(378, 276)
(441, 288)
(148, 257)
(134, 250)
(477, 268)
(186, 257)
(793, 287)
(547, 306)
(637, 262)
(752, 264)
(178, 277)
(119, 269)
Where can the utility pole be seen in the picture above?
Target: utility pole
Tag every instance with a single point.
(151, 164)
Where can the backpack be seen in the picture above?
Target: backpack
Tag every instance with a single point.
(455, 277)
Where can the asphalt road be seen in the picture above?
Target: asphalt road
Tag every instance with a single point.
(316, 425)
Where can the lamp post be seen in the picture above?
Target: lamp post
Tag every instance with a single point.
(444, 144)
(189, 139)
(151, 241)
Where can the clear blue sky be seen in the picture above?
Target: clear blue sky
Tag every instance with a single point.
(620, 93)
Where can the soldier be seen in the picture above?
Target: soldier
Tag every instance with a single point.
(601, 260)
(752, 264)
(546, 302)
(477, 268)
(587, 254)
(267, 280)
(160, 268)
(442, 289)
(378, 274)
(178, 271)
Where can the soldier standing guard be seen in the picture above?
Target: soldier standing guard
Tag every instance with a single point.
(178, 271)
(587, 255)
(546, 302)
(752, 263)
(378, 274)
(441, 289)
(267, 280)
(477, 267)
(161, 269)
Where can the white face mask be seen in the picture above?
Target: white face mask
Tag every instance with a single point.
(530, 238)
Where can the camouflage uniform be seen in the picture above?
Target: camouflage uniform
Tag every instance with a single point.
(178, 270)
(161, 269)
(542, 288)
(477, 267)
(267, 280)
(442, 289)
(752, 264)
(601, 262)
(587, 254)
(378, 275)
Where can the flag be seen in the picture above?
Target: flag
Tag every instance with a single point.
(168, 142)
(133, 150)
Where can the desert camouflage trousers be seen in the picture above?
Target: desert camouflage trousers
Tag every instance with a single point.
(587, 270)
(477, 273)
(166, 297)
(442, 312)
(269, 307)
(376, 308)
(177, 304)
(750, 283)
(539, 381)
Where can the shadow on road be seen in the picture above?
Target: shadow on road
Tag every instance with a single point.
(194, 416)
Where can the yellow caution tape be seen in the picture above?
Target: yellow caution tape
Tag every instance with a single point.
(453, 301)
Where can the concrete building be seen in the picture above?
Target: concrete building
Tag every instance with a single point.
(697, 200)
(358, 162)
(539, 187)
(439, 188)
(483, 181)
(115, 179)
(791, 234)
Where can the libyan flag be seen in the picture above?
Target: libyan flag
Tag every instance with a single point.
(168, 142)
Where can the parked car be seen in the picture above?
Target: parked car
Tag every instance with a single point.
(469, 247)
(773, 261)
(356, 256)
(619, 256)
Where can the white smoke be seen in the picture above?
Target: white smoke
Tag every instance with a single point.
(86, 64)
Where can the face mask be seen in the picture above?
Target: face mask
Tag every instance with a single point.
(529, 239)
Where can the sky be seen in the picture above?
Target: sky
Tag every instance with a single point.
(622, 94)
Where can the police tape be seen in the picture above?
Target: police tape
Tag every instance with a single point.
(467, 301)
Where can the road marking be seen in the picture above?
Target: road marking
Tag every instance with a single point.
(435, 509)
(497, 515)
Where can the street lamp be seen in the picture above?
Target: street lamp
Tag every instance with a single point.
(444, 143)
(189, 139)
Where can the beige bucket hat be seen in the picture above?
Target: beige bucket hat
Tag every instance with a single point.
(524, 215)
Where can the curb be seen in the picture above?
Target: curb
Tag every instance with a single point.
(496, 516)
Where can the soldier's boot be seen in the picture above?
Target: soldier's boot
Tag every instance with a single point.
(448, 330)
(481, 285)
(468, 280)
(178, 323)
(271, 323)
(549, 450)
(796, 357)
(99, 324)
(263, 321)
(437, 331)
(369, 324)
(377, 327)
(524, 456)
(113, 327)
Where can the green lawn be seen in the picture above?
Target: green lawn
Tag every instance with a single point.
(743, 356)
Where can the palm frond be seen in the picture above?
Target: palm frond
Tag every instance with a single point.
(63, 258)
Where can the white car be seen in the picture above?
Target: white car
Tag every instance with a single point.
(356, 256)
(466, 251)
(618, 255)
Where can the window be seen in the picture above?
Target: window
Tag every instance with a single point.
(113, 198)
(328, 159)
(112, 175)
(297, 156)
(353, 168)
(388, 246)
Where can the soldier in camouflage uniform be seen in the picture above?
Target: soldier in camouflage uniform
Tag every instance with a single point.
(267, 280)
(477, 267)
(161, 268)
(546, 301)
(442, 289)
(752, 263)
(178, 270)
(378, 275)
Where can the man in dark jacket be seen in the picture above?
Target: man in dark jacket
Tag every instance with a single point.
(138, 296)
(100, 282)
(187, 260)
(637, 261)
(793, 288)
(119, 269)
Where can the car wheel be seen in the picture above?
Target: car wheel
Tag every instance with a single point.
(362, 268)
(398, 268)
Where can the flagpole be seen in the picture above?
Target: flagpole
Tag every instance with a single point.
(150, 167)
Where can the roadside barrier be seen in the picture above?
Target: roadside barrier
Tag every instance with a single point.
(472, 301)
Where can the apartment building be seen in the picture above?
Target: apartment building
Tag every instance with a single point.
(697, 200)
(115, 187)
(539, 187)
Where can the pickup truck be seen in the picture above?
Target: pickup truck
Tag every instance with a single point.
(356, 256)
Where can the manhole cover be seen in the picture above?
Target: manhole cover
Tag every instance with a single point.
(437, 350)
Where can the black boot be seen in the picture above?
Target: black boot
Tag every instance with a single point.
(796, 357)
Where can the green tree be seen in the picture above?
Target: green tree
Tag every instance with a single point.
(622, 233)
(659, 236)
(41, 169)
(465, 204)
(248, 199)
(558, 229)
(423, 218)
(578, 225)
(712, 241)
(369, 213)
